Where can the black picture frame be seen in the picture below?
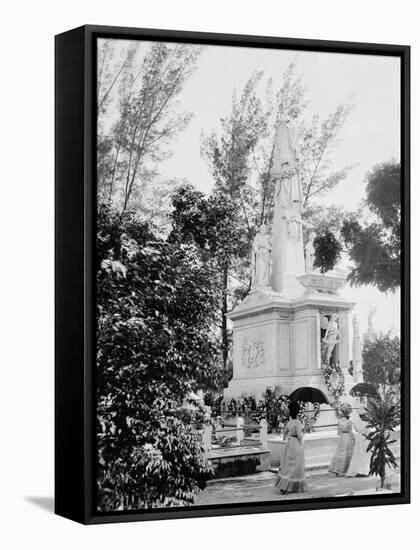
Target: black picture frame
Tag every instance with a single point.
(75, 202)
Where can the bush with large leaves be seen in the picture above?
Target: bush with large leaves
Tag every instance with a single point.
(154, 308)
(382, 417)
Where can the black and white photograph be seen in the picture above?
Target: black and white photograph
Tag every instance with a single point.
(209, 275)
(248, 271)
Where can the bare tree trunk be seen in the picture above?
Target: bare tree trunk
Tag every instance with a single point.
(111, 183)
(225, 342)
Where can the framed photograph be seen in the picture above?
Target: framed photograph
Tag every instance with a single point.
(232, 274)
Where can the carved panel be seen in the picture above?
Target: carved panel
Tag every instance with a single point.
(294, 232)
(253, 352)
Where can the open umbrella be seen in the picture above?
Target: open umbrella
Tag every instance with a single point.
(308, 395)
(363, 388)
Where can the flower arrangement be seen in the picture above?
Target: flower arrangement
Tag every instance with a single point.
(273, 407)
(334, 380)
(309, 418)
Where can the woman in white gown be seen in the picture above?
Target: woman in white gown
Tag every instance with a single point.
(360, 462)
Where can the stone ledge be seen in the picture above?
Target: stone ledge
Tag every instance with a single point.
(221, 454)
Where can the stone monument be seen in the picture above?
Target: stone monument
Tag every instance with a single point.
(294, 320)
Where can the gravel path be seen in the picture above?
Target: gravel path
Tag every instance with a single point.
(260, 487)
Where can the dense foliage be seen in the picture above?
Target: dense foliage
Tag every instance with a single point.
(327, 251)
(214, 226)
(154, 346)
(375, 247)
(382, 363)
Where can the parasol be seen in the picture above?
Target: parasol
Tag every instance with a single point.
(364, 389)
(308, 395)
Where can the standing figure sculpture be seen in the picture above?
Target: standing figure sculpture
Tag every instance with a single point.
(288, 191)
(261, 259)
(310, 253)
(331, 338)
(371, 313)
(357, 353)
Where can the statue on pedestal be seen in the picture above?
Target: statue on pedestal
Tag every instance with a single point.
(310, 253)
(331, 338)
(371, 313)
(357, 353)
(371, 335)
(261, 259)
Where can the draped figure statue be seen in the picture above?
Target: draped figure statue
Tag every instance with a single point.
(371, 313)
(310, 253)
(261, 258)
(331, 338)
(288, 189)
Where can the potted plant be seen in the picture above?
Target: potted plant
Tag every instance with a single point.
(382, 416)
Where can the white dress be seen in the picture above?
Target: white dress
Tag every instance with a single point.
(291, 476)
(360, 462)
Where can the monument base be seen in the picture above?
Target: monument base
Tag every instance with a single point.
(320, 447)
(277, 340)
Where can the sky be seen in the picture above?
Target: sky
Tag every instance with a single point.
(370, 135)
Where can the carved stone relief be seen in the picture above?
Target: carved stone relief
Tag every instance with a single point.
(253, 352)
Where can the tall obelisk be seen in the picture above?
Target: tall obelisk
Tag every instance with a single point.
(287, 255)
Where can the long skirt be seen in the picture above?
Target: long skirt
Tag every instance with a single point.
(341, 460)
(360, 462)
(291, 476)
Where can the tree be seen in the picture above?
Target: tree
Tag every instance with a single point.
(321, 218)
(327, 251)
(375, 247)
(382, 363)
(241, 157)
(148, 118)
(220, 233)
(317, 140)
(230, 155)
(154, 346)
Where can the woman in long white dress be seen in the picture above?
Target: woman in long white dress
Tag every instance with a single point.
(291, 477)
(342, 457)
(360, 461)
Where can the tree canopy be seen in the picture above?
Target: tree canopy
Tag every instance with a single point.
(382, 362)
(375, 247)
(148, 117)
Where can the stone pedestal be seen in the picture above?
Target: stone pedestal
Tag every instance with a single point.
(277, 340)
